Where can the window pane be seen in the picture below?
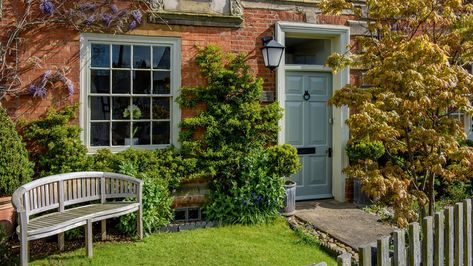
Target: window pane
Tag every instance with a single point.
(307, 51)
(161, 107)
(121, 81)
(161, 57)
(121, 108)
(143, 105)
(161, 82)
(121, 133)
(121, 56)
(100, 55)
(141, 134)
(99, 81)
(141, 57)
(100, 134)
(100, 108)
(141, 82)
(161, 132)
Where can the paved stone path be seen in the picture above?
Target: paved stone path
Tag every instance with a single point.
(343, 221)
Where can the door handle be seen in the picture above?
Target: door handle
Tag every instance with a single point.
(306, 95)
(329, 152)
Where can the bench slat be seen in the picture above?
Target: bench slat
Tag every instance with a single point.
(55, 221)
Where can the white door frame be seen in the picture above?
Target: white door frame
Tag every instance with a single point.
(340, 37)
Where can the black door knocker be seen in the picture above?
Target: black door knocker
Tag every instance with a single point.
(306, 95)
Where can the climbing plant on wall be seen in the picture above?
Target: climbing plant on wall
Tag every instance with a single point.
(25, 19)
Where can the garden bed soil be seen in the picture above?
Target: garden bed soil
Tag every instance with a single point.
(48, 246)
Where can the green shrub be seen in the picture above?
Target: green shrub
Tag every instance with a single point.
(156, 203)
(233, 121)
(365, 149)
(255, 196)
(283, 160)
(15, 168)
(167, 165)
(162, 171)
(54, 144)
(449, 193)
(231, 139)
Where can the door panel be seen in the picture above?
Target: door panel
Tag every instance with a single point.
(294, 84)
(294, 122)
(318, 170)
(308, 128)
(317, 134)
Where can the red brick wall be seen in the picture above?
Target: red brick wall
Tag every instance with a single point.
(60, 48)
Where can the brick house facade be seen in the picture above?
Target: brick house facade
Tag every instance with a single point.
(64, 48)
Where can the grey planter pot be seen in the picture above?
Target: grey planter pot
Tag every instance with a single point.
(290, 200)
(359, 197)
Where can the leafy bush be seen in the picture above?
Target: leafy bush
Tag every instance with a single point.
(449, 193)
(256, 196)
(54, 144)
(15, 168)
(283, 160)
(167, 165)
(231, 139)
(162, 171)
(233, 121)
(156, 203)
(364, 149)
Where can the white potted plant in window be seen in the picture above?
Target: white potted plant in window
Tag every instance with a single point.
(132, 111)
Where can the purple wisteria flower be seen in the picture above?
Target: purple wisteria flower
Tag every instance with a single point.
(37, 91)
(90, 20)
(137, 15)
(88, 7)
(47, 7)
(107, 19)
(132, 25)
(46, 76)
(70, 87)
(114, 8)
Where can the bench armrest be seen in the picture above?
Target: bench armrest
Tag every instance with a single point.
(17, 199)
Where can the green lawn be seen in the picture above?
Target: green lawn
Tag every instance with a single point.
(274, 244)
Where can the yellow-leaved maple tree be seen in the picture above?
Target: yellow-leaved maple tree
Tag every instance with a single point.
(417, 55)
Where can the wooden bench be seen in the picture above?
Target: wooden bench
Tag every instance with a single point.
(86, 193)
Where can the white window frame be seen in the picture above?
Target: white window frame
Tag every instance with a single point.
(85, 55)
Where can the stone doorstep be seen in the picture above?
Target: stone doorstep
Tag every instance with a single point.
(344, 222)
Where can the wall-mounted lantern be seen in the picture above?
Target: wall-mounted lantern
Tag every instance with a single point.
(272, 52)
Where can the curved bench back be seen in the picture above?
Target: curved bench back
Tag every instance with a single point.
(59, 191)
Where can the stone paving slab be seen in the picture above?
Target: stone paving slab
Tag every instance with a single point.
(343, 221)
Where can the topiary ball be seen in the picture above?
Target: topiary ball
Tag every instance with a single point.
(15, 168)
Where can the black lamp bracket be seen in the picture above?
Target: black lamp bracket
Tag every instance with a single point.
(267, 39)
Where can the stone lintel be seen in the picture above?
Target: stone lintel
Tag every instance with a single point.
(192, 19)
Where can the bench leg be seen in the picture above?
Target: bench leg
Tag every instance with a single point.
(24, 250)
(104, 229)
(88, 238)
(60, 241)
(139, 222)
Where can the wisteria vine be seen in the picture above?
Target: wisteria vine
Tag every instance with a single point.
(83, 16)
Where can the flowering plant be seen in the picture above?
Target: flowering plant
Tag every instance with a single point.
(132, 111)
(50, 78)
(81, 15)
